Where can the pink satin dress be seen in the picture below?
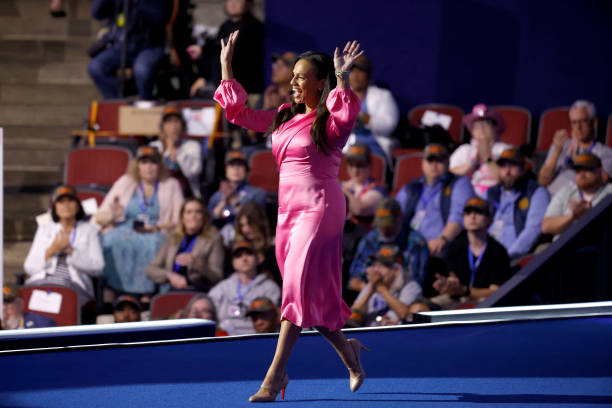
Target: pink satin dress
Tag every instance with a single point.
(311, 205)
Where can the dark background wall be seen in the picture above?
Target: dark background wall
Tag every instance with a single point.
(537, 53)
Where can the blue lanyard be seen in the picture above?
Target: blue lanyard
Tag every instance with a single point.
(142, 201)
(505, 207)
(239, 295)
(474, 265)
(425, 200)
(184, 248)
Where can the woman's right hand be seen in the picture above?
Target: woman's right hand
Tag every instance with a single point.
(177, 281)
(227, 52)
(117, 210)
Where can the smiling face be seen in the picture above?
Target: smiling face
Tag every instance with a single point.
(306, 87)
(582, 125)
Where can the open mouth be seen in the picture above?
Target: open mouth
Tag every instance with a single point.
(297, 94)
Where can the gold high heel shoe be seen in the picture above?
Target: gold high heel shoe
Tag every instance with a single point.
(268, 393)
(356, 376)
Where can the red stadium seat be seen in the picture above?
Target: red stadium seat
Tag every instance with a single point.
(518, 124)
(167, 305)
(69, 313)
(263, 172)
(551, 120)
(456, 127)
(609, 132)
(107, 117)
(377, 171)
(95, 166)
(400, 151)
(407, 168)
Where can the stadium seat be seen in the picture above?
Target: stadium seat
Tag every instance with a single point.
(377, 172)
(69, 313)
(518, 124)
(400, 151)
(609, 132)
(407, 168)
(106, 118)
(551, 120)
(166, 305)
(95, 166)
(263, 172)
(456, 127)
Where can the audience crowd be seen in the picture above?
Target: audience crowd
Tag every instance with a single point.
(446, 239)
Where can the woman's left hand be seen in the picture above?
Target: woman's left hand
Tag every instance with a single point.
(344, 61)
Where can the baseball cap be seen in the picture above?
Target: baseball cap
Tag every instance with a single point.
(387, 213)
(512, 155)
(242, 246)
(388, 255)
(127, 299)
(235, 155)
(65, 191)
(363, 63)
(10, 292)
(261, 305)
(289, 58)
(148, 151)
(587, 161)
(359, 152)
(172, 111)
(478, 204)
(435, 150)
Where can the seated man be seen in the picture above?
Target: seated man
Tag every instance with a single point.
(264, 315)
(362, 191)
(390, 290)
(234, 191)
(574, 200)
(278, 92)
(518, 205)
(145, 26)
(556, 172)
(477, 263)
(127, 309)
(477, 158)
(183, 157)
(389, 229)
(13, 317)
(379, 112)
(433, 203)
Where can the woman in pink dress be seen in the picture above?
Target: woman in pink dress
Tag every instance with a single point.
(307, 139)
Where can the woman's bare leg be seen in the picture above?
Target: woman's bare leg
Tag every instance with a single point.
(348, 350)
(275, 376)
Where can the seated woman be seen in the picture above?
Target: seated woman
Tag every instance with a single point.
(183, 157)
(140, 207)
(362, 191)
(233, 295)
(192, 256)
(67, 251)
(386, 298)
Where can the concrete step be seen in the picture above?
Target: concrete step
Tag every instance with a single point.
(20, 211)
(37, 50)
(18, 228)
(39, 155)
(71, 73)
(55, 29)
(41, 115)
(48, 94)
(54, 135)
(15, 253)
(39, 9)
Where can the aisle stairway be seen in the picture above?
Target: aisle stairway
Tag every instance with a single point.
(44, 94)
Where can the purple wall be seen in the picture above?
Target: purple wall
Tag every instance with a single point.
(537, 54)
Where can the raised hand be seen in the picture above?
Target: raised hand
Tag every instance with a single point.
(227, 52)
(344, 61)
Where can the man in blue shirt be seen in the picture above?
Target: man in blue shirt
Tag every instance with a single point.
(518, 204)
(234, 191)
(389, 230)
(433, 203)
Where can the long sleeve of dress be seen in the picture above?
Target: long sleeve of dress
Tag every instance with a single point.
(343, 106)
(232, 97)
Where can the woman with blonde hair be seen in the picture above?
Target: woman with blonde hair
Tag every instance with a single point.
(192, 256)
(137, 211)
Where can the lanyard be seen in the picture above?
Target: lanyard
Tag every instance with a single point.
(425, 200)
(474, 265)
(239, 295)
(142, 201)
(505, 207)
(185, 247)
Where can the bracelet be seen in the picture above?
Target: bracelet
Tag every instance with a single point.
(341, 73)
